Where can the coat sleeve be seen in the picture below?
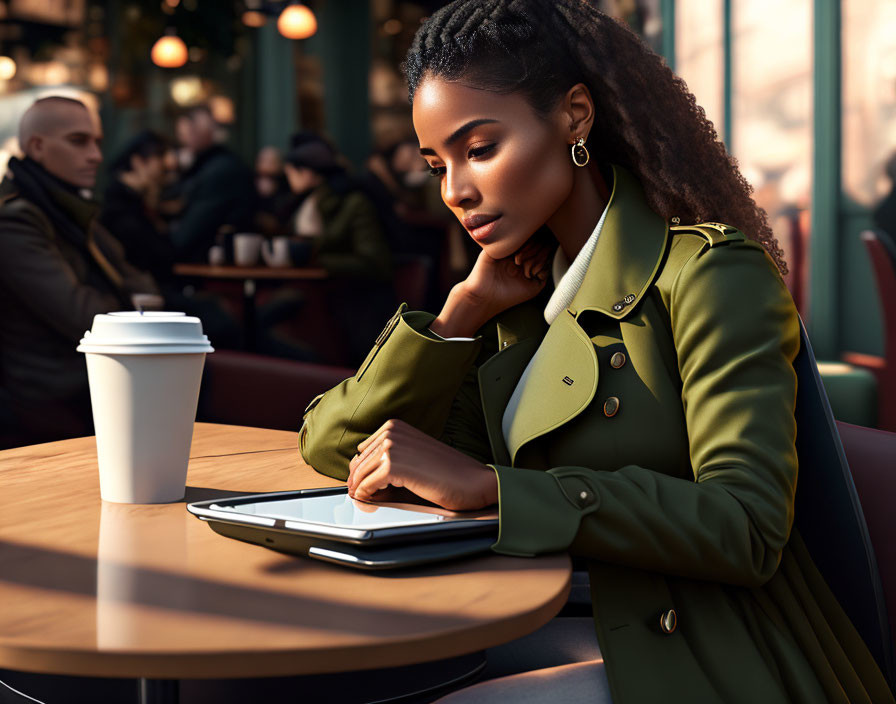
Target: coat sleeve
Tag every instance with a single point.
(736, 333)
(410, 375)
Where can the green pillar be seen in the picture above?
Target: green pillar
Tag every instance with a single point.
(343, 45)
(277, 105)
(667, 10)
(824, 280)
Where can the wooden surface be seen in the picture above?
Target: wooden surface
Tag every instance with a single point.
(102, 589)
(250, 272)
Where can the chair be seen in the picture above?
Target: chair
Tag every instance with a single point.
(872, 461)
(829, 515)
(882, 252)
(241, 388)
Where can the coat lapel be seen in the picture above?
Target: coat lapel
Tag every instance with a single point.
(560, 385)
(564, 375)
(498, 378)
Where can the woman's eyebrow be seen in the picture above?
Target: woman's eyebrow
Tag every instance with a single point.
(458, 133)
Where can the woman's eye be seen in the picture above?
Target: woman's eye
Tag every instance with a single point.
(436, 171)
(476, 152)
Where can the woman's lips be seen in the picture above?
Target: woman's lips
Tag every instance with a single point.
(481, 227)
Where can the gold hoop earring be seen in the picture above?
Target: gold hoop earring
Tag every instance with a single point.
(580, 155)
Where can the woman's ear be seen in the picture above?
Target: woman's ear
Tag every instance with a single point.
(578, 107)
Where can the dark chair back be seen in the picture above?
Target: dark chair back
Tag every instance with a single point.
(872, 458)
(829, 514)
(239, 388)
(882, 252)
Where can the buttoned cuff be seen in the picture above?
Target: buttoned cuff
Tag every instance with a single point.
(409, 375)
(540, 512)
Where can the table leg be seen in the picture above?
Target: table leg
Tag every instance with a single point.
(158, 691)
(249, 330)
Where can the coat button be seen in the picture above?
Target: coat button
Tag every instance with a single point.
(586, 498)
(611, 407)
(668, 621)
(617, 360)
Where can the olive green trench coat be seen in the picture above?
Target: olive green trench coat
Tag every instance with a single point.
(655, 438)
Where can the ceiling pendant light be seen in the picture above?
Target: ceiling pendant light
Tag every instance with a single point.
(169, 51)
(297, 22)
(7, 68)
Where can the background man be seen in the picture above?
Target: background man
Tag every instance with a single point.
(58, 268)
(217, 189)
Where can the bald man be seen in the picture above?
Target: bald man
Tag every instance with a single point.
(58, 268)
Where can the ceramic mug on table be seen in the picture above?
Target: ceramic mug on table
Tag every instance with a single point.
(276, 252)
(246, 248)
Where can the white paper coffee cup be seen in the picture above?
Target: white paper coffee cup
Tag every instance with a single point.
(144, 372)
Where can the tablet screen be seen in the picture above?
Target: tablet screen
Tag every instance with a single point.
(340, 510)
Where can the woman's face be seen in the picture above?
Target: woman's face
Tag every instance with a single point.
(301, 178)
(504, 170)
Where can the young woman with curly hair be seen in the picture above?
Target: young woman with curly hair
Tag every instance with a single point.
(616, 372)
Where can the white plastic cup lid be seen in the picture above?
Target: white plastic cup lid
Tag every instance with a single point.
(147, 332)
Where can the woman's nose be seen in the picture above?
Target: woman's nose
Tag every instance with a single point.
(458, 189)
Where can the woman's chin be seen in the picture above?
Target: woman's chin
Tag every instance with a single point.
(502, 249)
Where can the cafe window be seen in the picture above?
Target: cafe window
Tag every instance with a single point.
(869, 98)
(699, 54)
(771, 99)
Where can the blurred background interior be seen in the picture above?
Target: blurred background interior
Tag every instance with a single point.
(304, 108)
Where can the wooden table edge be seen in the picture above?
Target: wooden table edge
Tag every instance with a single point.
(279, 662)
(208, 271)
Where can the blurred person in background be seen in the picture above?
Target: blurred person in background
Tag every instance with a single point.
(216, 190)
(131, 204)
(59, 267)
(346, 237)
(275, 200)
(417, 223)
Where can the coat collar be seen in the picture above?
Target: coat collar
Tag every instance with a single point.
(628, 254)
(627, 257)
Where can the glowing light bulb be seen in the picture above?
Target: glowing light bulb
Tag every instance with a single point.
(169, 52)
(7, 68)
(297, 22)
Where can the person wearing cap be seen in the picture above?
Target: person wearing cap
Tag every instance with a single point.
(346, 238)
(58, 268)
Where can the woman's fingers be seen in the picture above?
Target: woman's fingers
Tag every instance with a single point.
(374, 482)
(385, 427)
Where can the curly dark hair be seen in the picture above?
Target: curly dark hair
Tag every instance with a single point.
(647, 119)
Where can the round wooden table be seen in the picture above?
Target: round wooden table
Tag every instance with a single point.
(148, 591)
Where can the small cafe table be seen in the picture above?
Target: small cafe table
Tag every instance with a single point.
(250, 276)
(150, 592)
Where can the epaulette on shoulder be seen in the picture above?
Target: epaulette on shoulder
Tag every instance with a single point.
(713, 232)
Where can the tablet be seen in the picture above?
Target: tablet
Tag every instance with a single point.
(327, 524)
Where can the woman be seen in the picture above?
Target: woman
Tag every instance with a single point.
(340, 227)
(641, 413)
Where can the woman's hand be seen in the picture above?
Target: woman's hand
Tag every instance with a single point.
(399, 455)
(494, 285)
